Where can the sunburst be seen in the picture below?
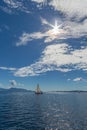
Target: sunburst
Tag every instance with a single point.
(56, 29)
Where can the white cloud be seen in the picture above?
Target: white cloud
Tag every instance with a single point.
(13, 4)
(71, 8)
(59, 57)
(26, 37)
(47, 35)
(40, 1)
(76, 30)
(67, 30)
(7, 68)
(78, 79)
(14, 83)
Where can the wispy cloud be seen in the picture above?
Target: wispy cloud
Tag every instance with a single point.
(14, 83)
(4, 27)
(6, 9)
(67, 30)
(7, 68)
(12, 5)
(56, 57)
(78, 79)
(46, 35)
(26, 38)
(39, 1)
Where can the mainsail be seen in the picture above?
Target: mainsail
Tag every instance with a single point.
(38, 91)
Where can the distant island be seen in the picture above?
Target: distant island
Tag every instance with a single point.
(3, 90)
(71, 91)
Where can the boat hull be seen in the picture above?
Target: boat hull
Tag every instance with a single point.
(38, 92)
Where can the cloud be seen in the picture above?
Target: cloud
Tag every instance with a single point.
(78, 79)
(40, 1)
(76, 30)
(67, 30)
(26, 37)
(14, 83)
(47, 35)
(13, 5)
(71, 8)
(7, 68)
(56, 57)
(4, 27)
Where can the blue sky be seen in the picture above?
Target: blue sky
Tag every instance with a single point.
(43, 42)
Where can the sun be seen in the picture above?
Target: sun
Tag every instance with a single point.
(56, 29)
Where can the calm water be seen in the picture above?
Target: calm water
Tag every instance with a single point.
(27, 111)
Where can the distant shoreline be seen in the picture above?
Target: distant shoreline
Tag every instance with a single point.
(25, 90)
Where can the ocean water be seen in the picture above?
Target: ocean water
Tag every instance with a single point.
(27, 111)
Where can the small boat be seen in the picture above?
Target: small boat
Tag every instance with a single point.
(38, 91)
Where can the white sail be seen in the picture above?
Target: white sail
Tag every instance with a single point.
(38, 91)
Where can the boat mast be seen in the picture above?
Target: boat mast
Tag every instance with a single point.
(38, 89)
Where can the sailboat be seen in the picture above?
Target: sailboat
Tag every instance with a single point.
(38, 91)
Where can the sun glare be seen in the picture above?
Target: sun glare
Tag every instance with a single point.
(56, 29)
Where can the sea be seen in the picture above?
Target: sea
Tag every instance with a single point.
(48, 111)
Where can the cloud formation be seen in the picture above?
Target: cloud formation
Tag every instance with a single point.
(77, 8)
(14, 83)
(67, 30)
(59, 57)
(71, 8)
(78, 79)
(11, 5)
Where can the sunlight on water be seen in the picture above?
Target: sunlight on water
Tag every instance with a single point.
(25, 111)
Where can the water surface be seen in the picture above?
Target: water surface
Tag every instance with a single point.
(27, 111)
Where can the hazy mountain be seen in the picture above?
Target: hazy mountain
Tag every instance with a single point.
(14, 90)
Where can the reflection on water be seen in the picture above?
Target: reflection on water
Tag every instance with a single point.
(27, 111)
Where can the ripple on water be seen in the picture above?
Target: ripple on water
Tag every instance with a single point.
(46, 112)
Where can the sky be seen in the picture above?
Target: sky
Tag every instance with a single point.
(45, 42)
